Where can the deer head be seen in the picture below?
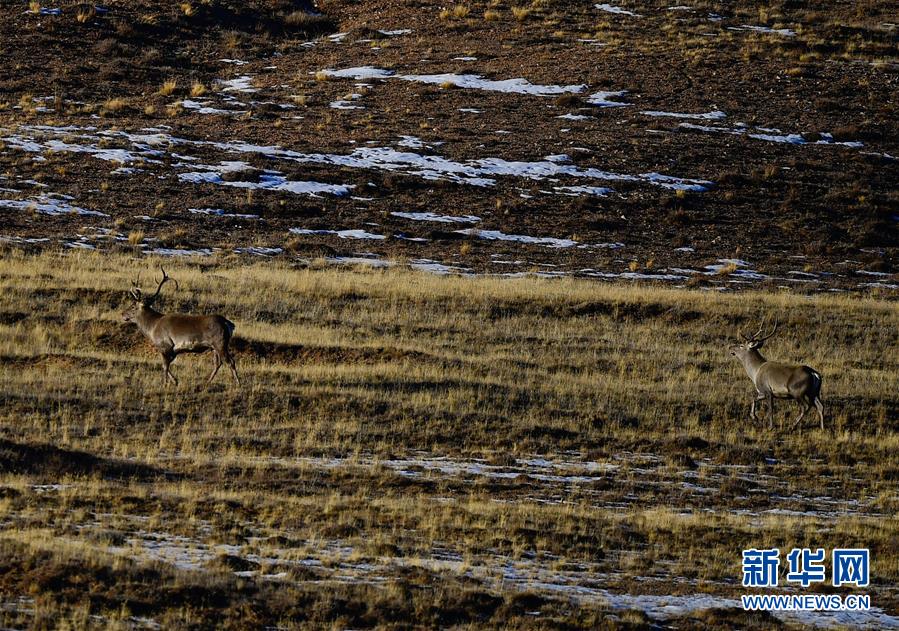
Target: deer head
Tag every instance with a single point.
(752, 342)
(142, 304)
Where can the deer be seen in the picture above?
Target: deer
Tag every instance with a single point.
(176, 333)
(777, 380)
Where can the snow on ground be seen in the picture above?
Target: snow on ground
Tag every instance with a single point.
(243, 83)
(349, 102)
(180, 252)
(467, 81)
(496, 235)
(772, 135)
(576, 191)
(201, 107)
(343, 234)
(269, 182)
(433, 267)
(764, 29)
(426, 216)
(713, 115)
(47, 205)
(612, 8)
(477, 172)
(218, 212)
(605, 99)
(259, 251)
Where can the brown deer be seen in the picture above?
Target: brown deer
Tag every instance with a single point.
(178, 333)
(776, 380)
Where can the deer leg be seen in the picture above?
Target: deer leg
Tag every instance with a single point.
(771, 411)
(752, 413)
(231, 364)
(820, 406)
(216, 364)
(167, 359)
(805, 406)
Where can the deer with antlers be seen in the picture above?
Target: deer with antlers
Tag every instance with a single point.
(178, 333)
(776, 380)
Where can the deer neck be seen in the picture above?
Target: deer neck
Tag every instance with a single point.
(146, 319)
(752, 361)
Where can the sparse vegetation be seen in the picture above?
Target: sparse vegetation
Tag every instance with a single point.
(168, 87)
(460, 368)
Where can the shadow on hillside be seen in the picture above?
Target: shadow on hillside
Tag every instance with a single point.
(53, 462)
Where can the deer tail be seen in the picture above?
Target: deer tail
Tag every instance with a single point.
(231, 326)
(818, 381)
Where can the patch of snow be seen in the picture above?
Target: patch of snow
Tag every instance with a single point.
(513, 86)
(427, 216)
(243, 83)
(362, 73)
(713, 115)
(764, 29)
(47, 205)
(612, 8)
(467, 81)
(343, 234)
(202, 108)
(179, 252)
(359, 260)
(126, 171)
(764, 134)
(597, 191)
(879, 285)
(631, 275)
(433, 267)
(259, 251)
(604, 99)
(412, 142)
(496, 235)
(218, 212)
(269, 182)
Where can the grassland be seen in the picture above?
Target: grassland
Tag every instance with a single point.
(410, 449)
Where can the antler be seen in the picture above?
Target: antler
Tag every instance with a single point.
(136, 293)
(165, 277)
(755, 336)
(752, 338)
(773, 331)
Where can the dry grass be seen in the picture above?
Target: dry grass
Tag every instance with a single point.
(373, 365)
(168, 87)
(572, 355)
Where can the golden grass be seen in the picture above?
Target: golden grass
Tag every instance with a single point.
(198, 89)
(580, 352)
(371, 365)
(168, 87)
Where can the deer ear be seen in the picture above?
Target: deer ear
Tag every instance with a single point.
(757, 344)
(135, 293)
